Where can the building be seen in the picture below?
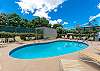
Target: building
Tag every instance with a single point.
(93, 24)
(90, 28)
(47, 33)
(97, 36)
(98, 28)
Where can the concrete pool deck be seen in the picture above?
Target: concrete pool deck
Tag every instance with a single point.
(8, 63)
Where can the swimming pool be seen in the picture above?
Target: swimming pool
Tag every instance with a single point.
(45, 50)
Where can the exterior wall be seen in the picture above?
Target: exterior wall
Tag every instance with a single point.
(87, 28)
(98, 36)
(48, 33)
(98, 28)
(91, 28)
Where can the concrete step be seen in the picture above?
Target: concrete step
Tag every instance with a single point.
(72, 65)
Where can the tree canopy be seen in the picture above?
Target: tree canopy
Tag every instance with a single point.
(57, 26)
(15, 20)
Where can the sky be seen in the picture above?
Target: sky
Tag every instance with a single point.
(69, 13)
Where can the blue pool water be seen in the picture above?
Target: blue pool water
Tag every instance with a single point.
(44, 50)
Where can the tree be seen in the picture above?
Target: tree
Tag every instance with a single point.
(3, 19)
(60, 31)
(57, 25)
(40, 22)
(25, 23)
(49, 25)
(14, 20)
(44, 22)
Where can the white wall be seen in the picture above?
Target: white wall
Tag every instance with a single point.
(48, 32)
(98, 36)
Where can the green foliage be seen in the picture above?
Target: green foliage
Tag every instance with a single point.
(40, 22)
(7, 35)
(3, 19)
(57, 26)
(14, 20)
(60, 31)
